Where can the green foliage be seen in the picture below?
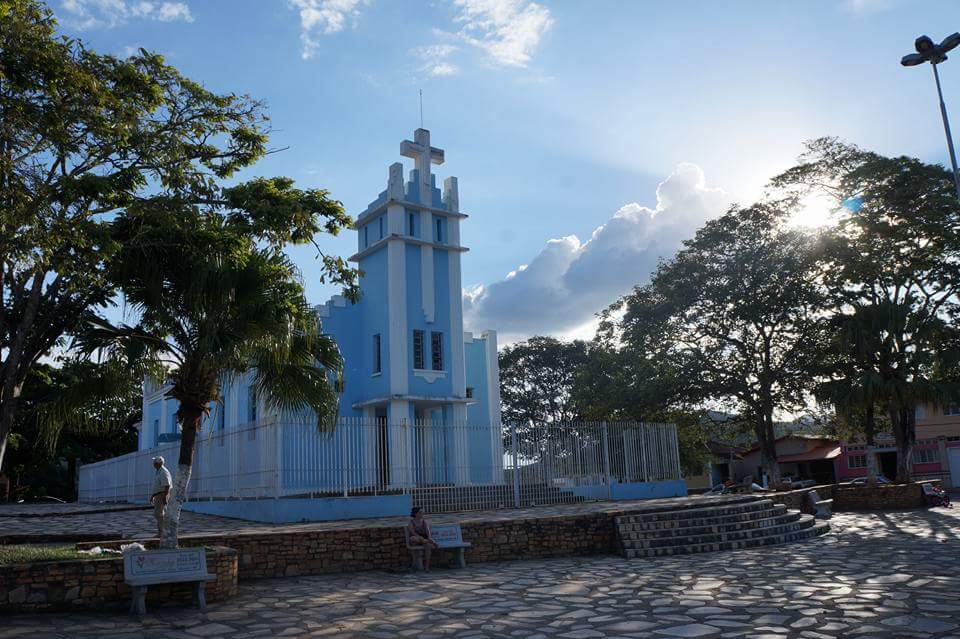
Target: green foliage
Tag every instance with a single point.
(892, 266)
(733, 322)
(85, 138)
(74, 412)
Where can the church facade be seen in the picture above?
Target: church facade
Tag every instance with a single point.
(407, 360)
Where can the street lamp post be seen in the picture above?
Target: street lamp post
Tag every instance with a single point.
(927, 51)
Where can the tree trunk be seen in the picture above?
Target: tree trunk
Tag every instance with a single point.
(8, 409)
(768, 451)
(190, 418)
(870, 430)
(905, 434)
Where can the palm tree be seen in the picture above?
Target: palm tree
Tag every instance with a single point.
(214, 302)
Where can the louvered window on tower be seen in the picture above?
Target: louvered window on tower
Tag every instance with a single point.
(418, 349)
(436, 350)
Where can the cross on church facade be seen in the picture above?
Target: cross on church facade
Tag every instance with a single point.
(423, 156)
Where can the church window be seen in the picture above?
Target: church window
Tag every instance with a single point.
(418, 349)
(469, 392)
(439, 223)
(436, 350)
(174, 427)
(156, 430)
(376, 353)
(251, 404)
(412, 222)
(380, 224)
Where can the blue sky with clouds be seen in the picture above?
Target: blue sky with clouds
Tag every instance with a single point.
(589, 137)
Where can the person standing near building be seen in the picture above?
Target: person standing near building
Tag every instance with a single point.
(161, 493)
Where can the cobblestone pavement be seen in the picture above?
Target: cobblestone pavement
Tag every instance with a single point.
(140, 524)
(875, 575)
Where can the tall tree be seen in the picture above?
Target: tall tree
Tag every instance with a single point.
(83, 137)
(537, 380)
(736, 316)
(217, 296)
(893, 264)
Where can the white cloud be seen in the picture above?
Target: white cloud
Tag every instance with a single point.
(569, 281)
(87, 14)
(507, 30)
(434, 59)
(323, 17)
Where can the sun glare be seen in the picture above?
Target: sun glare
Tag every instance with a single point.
(815, 211)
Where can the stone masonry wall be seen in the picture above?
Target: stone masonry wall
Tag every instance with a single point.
(279, 554)
(847, 497)
(98, 584)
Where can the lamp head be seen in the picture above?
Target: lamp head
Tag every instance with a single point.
(912, 60)
(949, 43)
(924, 46)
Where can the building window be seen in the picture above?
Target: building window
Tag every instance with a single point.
(469, 392)
(376, 353)
(174, 426)
(857, 461)
(439, 231)
(380, 224)
(418, 349)
(251, 404)
(412, 222)
(436, 351)
(926, 456)
(953, 408)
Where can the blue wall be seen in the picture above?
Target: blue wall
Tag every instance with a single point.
(283, 511)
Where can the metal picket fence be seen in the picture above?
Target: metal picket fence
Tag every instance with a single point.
(445, 467)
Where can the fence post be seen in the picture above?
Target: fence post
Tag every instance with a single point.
(516, 465)
(606, 459)
(344, 432)
(278, 456)
(643, 450)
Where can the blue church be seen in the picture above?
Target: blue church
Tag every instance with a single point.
(420, 401)
(405, 351)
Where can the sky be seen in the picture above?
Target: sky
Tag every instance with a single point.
(590, 138)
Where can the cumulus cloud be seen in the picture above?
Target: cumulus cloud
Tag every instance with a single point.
(569, 281)
(434, 59)
(507, 30)
(323, 17)
(87, 14)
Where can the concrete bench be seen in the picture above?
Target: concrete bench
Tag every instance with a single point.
(821, 507)
(145, 568)
(447, 537)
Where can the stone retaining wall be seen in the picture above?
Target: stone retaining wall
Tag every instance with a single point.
(847, 497)
(278, 554)
(98, 584)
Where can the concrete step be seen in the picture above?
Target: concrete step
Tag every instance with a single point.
(705, 517)
(705, 512)
(817, 529)
(802, 522)
(719, 525)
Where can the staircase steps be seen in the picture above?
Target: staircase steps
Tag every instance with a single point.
(722, 525)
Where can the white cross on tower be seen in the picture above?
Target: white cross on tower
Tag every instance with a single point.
(423, 155)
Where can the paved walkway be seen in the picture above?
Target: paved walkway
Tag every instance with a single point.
(875, 575)
(82, 524)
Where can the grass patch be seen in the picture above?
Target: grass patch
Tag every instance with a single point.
(24, 554)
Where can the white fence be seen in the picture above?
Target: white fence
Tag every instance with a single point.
(445, 467)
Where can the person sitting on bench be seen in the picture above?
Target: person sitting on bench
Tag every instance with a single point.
(420, 534)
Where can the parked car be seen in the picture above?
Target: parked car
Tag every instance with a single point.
(860, 481)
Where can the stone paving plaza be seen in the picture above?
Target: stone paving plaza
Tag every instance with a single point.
(894, 574)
